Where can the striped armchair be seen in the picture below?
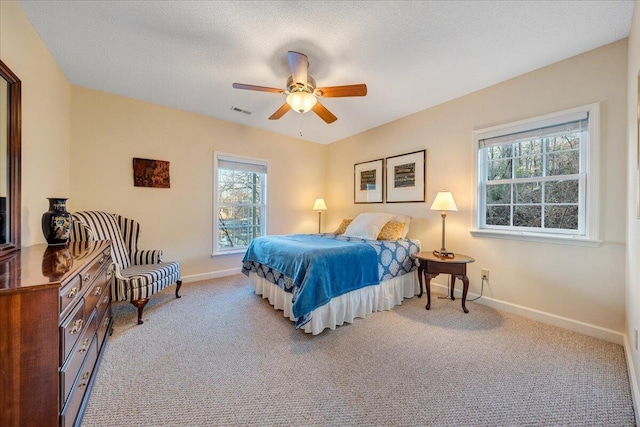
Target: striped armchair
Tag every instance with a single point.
(138, 273)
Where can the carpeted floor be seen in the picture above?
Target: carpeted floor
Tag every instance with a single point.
(223, 356)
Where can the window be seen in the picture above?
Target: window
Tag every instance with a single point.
(537, 177)
(240, 202)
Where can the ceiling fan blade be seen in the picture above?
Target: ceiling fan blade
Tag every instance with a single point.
(299, 64)
(337, 91)
(281, 112)
(258, 88)
(324, 114)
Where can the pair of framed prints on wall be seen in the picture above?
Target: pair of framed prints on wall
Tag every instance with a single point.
(397, 179)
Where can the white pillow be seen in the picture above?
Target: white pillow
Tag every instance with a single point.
(406, 219)
(367, 225)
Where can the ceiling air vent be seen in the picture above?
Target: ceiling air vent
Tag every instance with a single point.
(240, 110)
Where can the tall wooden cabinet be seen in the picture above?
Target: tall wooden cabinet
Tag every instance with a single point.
(55, 316)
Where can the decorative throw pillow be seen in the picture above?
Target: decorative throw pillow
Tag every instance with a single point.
(406, 219)
(391, 230)
(367, 225)
(343, 226)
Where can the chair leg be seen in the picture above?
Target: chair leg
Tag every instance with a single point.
(139, 304)
(178, 284)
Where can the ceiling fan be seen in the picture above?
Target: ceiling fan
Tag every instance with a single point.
(302, 93)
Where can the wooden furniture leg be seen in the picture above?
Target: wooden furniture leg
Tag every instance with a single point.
(178, 284)
(421, 272)
(139, 304)
(453, 286)
(427, 286)
(465, 289)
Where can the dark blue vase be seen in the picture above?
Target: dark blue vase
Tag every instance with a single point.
(56, 222)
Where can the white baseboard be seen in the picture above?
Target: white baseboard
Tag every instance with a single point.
(210, 275)
(544, 317)
(633, 382)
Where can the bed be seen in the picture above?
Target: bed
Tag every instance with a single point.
(321, 281)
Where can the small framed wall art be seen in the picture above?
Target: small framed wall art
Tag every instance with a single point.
(151, 173)
(406, 177)
(368, 180)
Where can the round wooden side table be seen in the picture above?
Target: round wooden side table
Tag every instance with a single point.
(431, 265)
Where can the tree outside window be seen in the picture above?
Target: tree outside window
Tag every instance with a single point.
(240, 202)
(533, 175)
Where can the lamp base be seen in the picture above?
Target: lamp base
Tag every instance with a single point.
(442, 253)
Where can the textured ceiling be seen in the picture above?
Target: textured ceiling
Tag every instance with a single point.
(412, 55)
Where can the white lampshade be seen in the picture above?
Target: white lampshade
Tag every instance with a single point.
(301, 101)
(319, 205)
(444, 202)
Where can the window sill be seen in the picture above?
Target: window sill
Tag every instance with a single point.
(537, 237)
(228, 253)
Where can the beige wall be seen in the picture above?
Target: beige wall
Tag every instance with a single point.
(633, 224)
(580, 283)
(45, 118)
(108, 131)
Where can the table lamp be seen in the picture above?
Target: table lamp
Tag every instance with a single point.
(444, 202)
(319, 206)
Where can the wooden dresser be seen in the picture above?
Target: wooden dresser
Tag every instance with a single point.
(55, 316)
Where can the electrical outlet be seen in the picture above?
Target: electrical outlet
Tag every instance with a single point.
(484, 274)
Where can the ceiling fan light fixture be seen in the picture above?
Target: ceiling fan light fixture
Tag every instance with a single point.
(302, 92)
(301, 102)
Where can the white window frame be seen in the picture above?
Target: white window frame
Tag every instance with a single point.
(217, 155)
(588, 232)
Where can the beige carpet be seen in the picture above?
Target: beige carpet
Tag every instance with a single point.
(223, 356)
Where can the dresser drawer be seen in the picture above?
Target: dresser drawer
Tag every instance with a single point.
(70, 370)
(105, 300)
(93, 270)
(69, 294)
(99, 288)
(104, 324)
(70, 411)
(71, 330)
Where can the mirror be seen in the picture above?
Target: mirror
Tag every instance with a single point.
(10, 154)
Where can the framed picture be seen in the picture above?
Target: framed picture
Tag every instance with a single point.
(368, 180)
(151, 173)
(406, 177)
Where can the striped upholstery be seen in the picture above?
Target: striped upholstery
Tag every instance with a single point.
(80, 232)
(135, 280)
(130, 231)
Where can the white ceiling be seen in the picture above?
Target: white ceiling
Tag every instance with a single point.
(412, 55)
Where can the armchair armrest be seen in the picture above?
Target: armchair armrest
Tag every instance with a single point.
(145, 256)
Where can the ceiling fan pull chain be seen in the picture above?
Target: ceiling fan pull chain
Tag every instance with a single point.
(300, 126)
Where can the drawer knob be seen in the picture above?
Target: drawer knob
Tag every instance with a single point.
(105, 299)
(77, 326)
(85, 345)
(86, 277)
(101, 260)
(98, 291)
(73, 292)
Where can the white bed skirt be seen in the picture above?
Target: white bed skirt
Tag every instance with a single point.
(346, 307)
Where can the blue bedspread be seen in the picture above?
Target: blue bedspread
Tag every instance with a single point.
(320, 268)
